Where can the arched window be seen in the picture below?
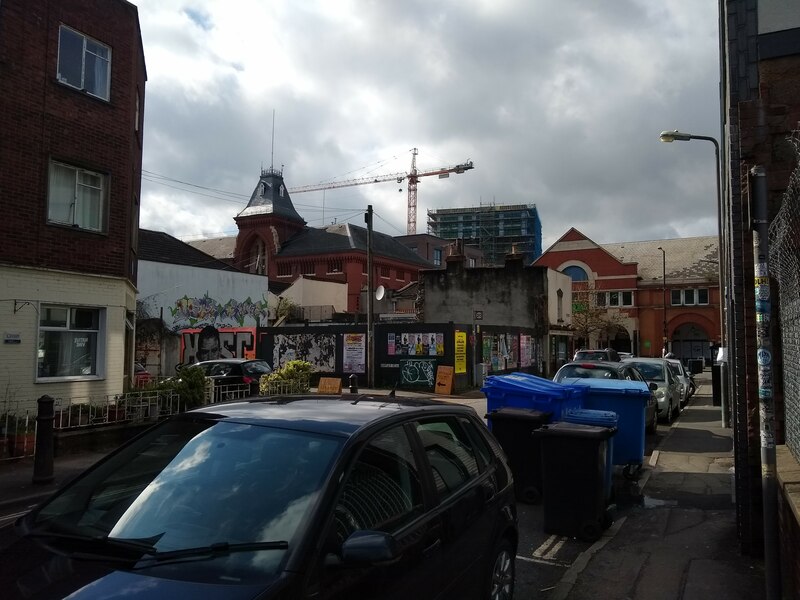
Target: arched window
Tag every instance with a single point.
(575, 273)
(560, 307)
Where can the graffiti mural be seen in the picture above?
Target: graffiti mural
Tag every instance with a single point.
(318, 349)
(417, 372)
(193, 311)
(209, 343)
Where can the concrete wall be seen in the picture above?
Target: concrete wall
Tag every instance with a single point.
(313, 292)
(25, 291)
(513, 295)
(193, 296)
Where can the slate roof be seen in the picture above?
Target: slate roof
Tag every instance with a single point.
(157, 246)
(687, 259)
(221, 247)
(342, 237)
(271, 198)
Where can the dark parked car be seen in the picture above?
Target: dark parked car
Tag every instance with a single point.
(612, 370)
(286, 497)
(236, 372)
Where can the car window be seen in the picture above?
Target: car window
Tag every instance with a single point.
(676, 370)
(633, 374)
(591, 356)
(586, 372)
(450, 453)
(256, 367)
(383, 490)
(220, 370)
(651, 371)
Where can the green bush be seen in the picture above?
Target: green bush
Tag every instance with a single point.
(293, 377)
(190, 385)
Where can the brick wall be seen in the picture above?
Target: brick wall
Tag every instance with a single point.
(42, 119)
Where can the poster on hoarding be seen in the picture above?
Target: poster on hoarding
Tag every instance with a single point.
(415, 344)
(353, 356)
(525, 351)
(461, 352)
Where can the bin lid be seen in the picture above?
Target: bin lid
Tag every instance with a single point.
(530, 383)
(591, 416)
(565, 429)
(522, 414)
(620, 387)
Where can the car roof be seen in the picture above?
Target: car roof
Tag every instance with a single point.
(234, 361)
(611, 364)
(338, 415)
(654, 360)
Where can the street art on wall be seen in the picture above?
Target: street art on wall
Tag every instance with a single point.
(318, 349)
(417, 372)
(209, 343)
(415, 344)
(193, 311)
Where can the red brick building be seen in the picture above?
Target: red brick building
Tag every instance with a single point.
(72, 85)
(274, 240)
(647, 291)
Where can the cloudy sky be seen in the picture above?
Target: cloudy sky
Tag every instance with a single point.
(558, 103)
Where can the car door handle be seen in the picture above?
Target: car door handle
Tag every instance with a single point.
(428, 550)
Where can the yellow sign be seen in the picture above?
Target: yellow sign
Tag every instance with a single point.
(461, 351)
(329, 385)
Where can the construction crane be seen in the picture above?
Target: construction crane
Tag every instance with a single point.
(412, 176)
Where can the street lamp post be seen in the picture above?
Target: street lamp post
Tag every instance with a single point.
(664, 299)
(675, 135)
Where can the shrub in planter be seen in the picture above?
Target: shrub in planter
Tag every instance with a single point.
(190, 385)
(292, 378)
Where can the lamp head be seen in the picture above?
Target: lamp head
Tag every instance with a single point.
(671, 136)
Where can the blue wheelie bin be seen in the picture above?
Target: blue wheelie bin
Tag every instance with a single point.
(629, 400)
(573, 473)
(520, 390)
(599, 418)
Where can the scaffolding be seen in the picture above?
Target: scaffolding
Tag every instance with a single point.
(493, 229)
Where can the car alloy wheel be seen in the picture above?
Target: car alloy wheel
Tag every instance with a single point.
(501, 577)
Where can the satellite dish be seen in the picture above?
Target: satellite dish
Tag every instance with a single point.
(380, 292)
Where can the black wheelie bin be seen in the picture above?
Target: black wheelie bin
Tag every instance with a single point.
(513, 428)
(574, 464)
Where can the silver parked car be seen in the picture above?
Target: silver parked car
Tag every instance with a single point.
(679, 370)
(668, 391)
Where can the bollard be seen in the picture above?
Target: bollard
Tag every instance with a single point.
(353, 383)
(43, 459)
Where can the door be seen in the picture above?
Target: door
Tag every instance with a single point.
(383, 491)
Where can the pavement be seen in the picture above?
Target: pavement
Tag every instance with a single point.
(674, 536)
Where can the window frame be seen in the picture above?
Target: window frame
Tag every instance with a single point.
(437, 257)
(77, 171)
(84, 51)
(99, 332)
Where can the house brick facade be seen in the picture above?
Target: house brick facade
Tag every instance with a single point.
(72, 85)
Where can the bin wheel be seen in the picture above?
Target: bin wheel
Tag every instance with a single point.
(632, 472)
(531, 495)
(590, 531)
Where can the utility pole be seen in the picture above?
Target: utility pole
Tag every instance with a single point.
(664, 299)
(370, 366)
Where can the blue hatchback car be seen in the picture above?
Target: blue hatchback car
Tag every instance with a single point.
(293, 497)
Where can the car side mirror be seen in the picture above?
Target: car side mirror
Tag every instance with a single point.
(653, 387)
(370, 547)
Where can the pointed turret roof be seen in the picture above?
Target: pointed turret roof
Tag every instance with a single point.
(271, 197)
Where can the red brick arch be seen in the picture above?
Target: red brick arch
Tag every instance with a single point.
(688, 318)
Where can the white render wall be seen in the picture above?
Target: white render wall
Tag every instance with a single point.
(31, 288)
(163, 285)
(311, 292)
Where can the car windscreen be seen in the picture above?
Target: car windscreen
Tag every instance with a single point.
(676, 370)
(586, 371)
(650, 371)
(194, 483)
(582, 355)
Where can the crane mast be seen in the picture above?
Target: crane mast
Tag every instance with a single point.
(412, 176)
